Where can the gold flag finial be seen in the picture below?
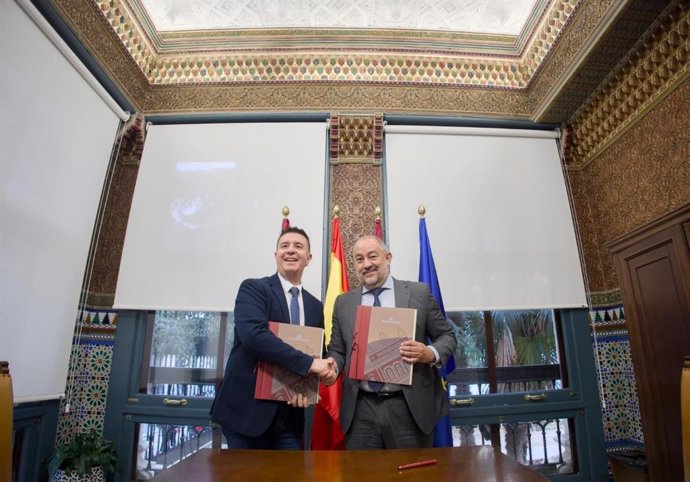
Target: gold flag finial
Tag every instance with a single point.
(286, 211)
(336, 211)
(377, 212)
(421, 210)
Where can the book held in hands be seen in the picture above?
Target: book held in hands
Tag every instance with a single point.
(378, 334)
(277, 383)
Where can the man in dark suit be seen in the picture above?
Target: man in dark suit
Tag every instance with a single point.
(249, 423)
(391, 416)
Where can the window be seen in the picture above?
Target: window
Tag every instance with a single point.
(505, 351)
(183, 349)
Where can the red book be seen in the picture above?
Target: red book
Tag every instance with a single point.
(277, 383)
(376, 345)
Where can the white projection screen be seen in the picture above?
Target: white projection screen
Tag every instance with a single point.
(56, 137)
(497, 214)
(206, 211)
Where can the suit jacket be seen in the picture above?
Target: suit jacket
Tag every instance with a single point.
(258, 302)
(425, 397)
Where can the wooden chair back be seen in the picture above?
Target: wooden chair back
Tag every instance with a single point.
(6, 417)
(685, 415)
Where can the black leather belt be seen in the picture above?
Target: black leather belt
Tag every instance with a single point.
(382, 395)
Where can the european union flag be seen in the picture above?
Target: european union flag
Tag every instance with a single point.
(443, 436)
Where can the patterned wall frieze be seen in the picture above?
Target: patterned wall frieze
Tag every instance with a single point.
(573, 45)
(426, 81)
(606, 298)
(429, 60)
(443, 85)
(356, 139)
(331, 97)
(659, 62)
(134, 40)
(339, 67)
(97, 35)
(597, 38)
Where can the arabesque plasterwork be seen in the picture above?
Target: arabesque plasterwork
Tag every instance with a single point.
(642, 176)
(660, 61)
(429, 58)
(470, 88)
(401, 83)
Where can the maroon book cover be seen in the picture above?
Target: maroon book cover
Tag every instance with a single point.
(277, 383)
(376, 344)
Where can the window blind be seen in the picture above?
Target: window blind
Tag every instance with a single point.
(498, 215)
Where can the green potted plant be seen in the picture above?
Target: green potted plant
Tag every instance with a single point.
(87, 457)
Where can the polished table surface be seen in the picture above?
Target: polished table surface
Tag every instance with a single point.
(456, 464)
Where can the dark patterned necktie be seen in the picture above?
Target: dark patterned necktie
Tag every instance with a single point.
(376, 386)
(376, 293)
(294, 306)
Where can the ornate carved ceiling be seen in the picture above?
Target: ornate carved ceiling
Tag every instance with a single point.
(540, 66)
(374, 55)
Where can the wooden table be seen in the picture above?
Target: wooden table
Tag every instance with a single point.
(456, 464)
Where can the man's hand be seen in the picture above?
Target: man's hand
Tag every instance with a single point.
(299, 401)
(332, 375)
(415, 352)
(326, 369)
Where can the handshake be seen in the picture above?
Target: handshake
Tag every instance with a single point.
(327, 371)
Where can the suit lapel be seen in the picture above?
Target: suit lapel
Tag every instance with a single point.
(311, 309)
(358, 296)
(402, 293)
(354, 299)
(277, 290)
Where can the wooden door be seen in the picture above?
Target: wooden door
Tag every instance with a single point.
(653, 265)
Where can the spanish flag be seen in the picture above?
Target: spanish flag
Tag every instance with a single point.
(326, 433)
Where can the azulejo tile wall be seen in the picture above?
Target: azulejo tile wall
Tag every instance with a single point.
(616, 375)
(83, 408)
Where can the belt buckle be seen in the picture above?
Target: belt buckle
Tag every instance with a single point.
(385, 395)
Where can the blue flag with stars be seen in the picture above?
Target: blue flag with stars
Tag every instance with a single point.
(443, 436)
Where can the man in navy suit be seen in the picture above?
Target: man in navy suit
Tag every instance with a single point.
(249, 423)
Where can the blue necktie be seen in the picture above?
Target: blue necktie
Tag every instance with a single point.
(294, 306)
(376, 386)
(376, 293)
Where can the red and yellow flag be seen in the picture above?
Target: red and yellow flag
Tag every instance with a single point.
(326, 432)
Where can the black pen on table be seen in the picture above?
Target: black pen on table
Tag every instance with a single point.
(414, 465)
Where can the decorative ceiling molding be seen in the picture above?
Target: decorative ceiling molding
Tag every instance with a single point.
(658, 63)
(563, 96)
(356, 139)
(106, 30)
(324, 97)
(581, 54)
(426, 58)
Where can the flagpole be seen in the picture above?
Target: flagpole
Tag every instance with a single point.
(443, 432)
